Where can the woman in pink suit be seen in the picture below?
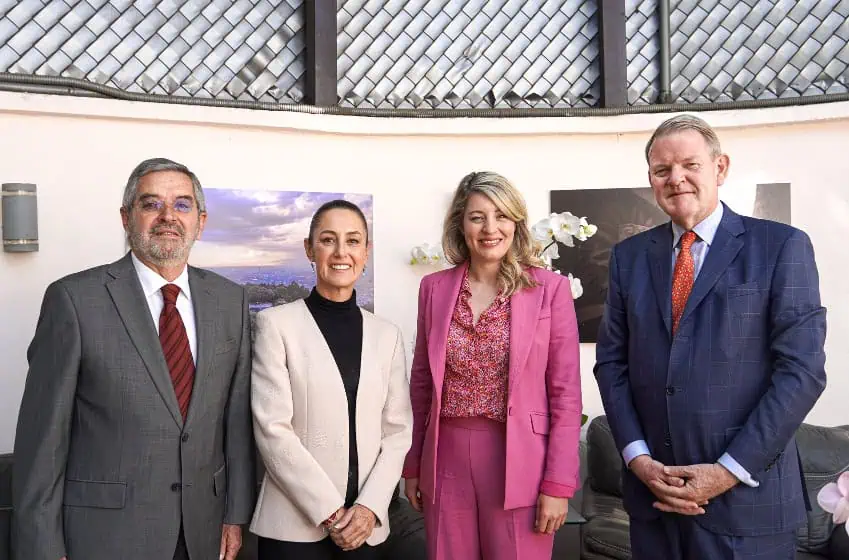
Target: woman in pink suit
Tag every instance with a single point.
(495, 386)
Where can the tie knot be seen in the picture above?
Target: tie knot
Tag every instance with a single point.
(687, 240)
(170, 293)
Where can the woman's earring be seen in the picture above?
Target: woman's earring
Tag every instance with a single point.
(364, 270)
(312, 265)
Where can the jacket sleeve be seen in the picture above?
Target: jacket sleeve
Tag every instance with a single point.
(287, 461)
(397, 423)
(421, 384)
(238, 438)
(44, 429)
(796, 346)
(563, 383)
(611, 366)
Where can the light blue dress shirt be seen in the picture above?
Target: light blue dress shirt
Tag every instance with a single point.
(705, 232)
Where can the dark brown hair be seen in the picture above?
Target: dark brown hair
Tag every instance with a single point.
(339, 204)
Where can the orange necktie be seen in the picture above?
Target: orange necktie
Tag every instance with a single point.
(682, 278)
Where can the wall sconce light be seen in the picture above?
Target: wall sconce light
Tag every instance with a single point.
(20, 217)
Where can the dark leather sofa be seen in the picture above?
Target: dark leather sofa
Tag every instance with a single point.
(824, 452)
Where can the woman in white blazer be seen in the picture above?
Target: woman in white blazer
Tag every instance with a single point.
(331, 407)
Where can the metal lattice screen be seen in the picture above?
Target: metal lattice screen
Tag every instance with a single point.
(641, 49)
(424, 54)
(730, 50)
(473, 54)
(233, 49)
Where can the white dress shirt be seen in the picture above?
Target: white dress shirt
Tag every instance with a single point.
(152, 282)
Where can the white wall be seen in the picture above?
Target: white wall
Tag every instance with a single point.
(79, 152)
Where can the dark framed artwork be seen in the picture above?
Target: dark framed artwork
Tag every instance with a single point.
(623, 212)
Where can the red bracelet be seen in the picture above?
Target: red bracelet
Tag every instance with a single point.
(329, 521)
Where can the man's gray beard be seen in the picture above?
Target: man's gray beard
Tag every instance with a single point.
(148, 249)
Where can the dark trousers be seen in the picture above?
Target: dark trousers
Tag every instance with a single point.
(182, 552)
(679, 537)
(270, 549)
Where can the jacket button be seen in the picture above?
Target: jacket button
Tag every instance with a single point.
(667, 441)
(670, 391)
(509, 411)
(176, 487)
(184, 438)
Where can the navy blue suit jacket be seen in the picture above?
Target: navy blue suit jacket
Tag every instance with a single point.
(739, 376)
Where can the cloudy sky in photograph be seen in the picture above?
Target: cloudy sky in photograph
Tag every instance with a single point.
(261, 228)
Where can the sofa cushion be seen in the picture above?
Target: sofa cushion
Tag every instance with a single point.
(604, 462)
(825, 454)
(605, 534)
(407, 535)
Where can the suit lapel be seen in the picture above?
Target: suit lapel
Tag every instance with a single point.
(660, 265)
(126, 292)
(206, 310)
(370, 366)
(442, 304)
(525, 307)
(328, 366)
(726, 245)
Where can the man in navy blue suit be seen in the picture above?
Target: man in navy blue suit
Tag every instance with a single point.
(709, 356)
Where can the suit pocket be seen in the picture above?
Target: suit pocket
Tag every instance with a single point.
(219, 481)
(740, 290)
(95, 494)
(225, 346)
(541, 423)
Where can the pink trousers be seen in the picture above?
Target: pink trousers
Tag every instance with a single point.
(466, 519)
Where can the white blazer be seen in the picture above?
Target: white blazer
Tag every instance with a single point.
(300, 413)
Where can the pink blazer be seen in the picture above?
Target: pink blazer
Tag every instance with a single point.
(544, 388)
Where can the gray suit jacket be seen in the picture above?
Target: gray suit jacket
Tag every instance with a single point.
(105, 468)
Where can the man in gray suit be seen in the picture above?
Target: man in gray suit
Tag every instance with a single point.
(134, 436)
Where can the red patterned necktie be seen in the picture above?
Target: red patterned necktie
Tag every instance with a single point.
(175, 346)
(682, 278)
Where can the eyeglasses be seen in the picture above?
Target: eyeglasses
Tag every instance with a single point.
(156, 205)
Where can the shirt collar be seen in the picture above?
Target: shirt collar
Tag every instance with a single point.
(152, 282)
(705, 230)
(466, 290)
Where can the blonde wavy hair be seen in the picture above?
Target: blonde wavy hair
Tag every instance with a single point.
(524, 251)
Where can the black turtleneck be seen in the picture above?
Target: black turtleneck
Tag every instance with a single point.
(341, 323)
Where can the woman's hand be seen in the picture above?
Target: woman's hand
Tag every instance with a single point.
(551, 514)
(354, 527)
(411, 490)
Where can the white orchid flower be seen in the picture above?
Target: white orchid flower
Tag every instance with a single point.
(585, 230)
(550, 253)
(418, 255)
(577, 288)
(569, 228)
(436, 255)
(427, 254)
(543, 230)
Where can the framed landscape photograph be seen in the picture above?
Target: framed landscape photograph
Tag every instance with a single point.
(256, 239)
